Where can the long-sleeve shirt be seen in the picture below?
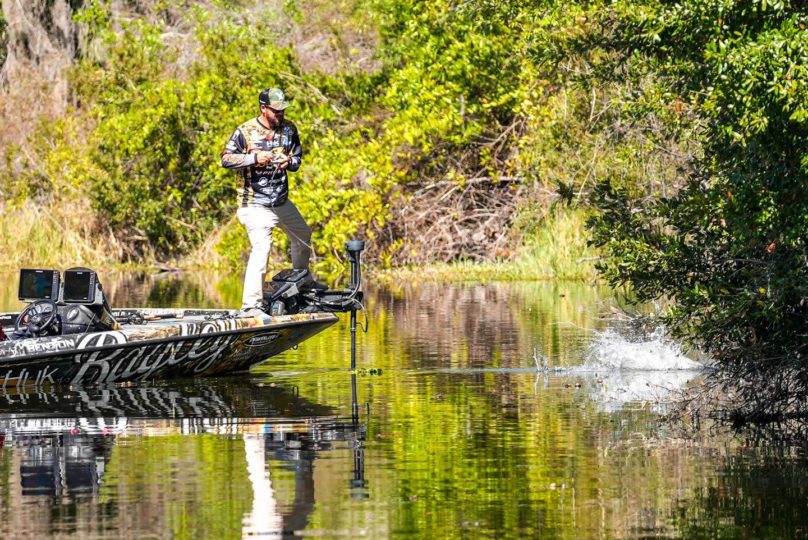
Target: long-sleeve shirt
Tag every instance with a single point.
(262, 186)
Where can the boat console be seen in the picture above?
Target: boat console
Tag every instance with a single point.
(69, 304)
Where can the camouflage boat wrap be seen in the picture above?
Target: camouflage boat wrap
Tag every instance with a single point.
(164, 344)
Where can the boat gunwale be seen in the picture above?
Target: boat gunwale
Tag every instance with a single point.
(321, 317)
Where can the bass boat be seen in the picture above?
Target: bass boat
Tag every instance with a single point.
(69, 334)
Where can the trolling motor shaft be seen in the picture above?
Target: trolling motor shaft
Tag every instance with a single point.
(354, 249)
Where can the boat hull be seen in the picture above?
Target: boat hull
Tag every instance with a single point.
(170, 348)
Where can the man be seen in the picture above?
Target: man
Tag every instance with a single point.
(263, 149)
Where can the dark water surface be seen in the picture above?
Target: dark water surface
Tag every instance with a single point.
(447, 430)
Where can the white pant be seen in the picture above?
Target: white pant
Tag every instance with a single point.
(259, 222)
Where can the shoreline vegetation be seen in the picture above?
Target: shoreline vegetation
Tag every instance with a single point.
(461, 169)
(559, 252)
(34, 236)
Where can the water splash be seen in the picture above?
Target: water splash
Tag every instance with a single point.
(612, 350)
(630, 368)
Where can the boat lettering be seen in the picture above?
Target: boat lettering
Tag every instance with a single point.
(100, 340)
(157, 357)
(212, 352)
(16, 381)
(30, 346)
(44, 374)
(131, 369)
(98, 360)
(141, 363)
(198, 348)
(207, 327)
(25, 376)
(262, 339)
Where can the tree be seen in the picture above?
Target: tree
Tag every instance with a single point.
(729, 248)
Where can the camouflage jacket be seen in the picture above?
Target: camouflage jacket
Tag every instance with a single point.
(262, 186)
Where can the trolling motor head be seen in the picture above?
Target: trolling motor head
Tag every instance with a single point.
(354, 249)
(354, 246)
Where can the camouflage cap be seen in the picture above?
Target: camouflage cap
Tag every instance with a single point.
(273, 98)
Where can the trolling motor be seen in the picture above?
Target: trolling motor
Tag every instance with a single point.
(293, 290)
(354, 249)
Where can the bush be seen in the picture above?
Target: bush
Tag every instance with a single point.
(730, 247)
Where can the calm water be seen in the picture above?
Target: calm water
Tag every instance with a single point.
(448, 430)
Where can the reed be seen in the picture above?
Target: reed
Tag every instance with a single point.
(56, 233)
(558, 249)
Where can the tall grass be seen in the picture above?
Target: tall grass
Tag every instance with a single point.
(66, 233)
(558, 249)
(54, 234)
(554, 249)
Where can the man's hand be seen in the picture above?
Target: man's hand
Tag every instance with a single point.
(263, 158)
(281, 162)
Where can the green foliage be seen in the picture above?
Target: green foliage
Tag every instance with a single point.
(3, 39)
(157, 137)
(730, 247)
(460, 94)
(158, 132)
(232, 244)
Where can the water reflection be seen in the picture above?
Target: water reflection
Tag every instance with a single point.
(144, 289)
(760, 492)
(173, 289)
(484, 325)
(448, 430)
(66, 450)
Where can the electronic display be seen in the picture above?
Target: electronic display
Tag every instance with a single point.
(37, 284)
(79, 286)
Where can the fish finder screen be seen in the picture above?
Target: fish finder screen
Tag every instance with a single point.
(38, 284)
(79, 286)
